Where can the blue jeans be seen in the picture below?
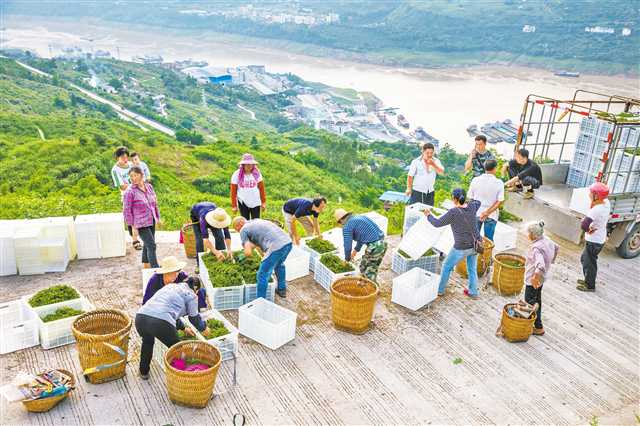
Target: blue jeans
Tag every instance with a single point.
(452, 260)
(489, 227)
(274, 262)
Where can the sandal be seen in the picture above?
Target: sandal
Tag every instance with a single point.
(137, 245)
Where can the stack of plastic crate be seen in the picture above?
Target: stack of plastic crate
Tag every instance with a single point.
(112, 235)
(57, 227)
(87, 236)
(55, 253)
(18, 327)
(624, 182)
(589, 149)
(26, 243)
(7, 252)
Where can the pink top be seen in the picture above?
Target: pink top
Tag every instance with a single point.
(542, 253)
(140, 208)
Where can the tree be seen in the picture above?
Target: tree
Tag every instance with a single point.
(191, 137)
(59, 103)
(115, 83)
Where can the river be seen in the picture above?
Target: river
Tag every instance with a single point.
(443, 101)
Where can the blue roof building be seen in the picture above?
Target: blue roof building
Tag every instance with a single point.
(394, 197)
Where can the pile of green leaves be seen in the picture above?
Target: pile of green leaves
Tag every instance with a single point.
(321, 246)
(512, 262)
(429, 252)
(216, 329)
(51, 295)
(248, 266)
(222, 273)
(335, 264)
(60, 313)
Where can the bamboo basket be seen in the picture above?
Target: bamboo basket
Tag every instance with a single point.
(516, 329)
(102, 338)
(352, 302)
(192, 388)
(484, 260)
(189, 240)
(507, 280)
(43, 405)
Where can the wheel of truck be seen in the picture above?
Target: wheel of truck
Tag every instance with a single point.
(630, 246)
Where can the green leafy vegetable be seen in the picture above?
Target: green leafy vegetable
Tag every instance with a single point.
(321, 246)
(55, 294)
(226, 273)
(60, 313)
(429, 252)
(184, 336)
(216, 329)
(335, 264)
(457, 361)
(512, 262)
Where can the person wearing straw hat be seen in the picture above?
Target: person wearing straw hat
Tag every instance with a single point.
(362, 230)
(170, 271)
(159, 318)
(247, 189)
(274, 244)
(209, 217)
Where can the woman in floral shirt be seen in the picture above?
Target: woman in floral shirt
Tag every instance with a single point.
(140, 208)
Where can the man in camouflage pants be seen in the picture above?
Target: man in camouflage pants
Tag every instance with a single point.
(363, 231)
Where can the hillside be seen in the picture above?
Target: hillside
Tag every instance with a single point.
(56, 152)
(407, 32)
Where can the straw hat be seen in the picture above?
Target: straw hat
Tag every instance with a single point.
(247, 159)
(339, 214)
(218, 218)
(170, 264)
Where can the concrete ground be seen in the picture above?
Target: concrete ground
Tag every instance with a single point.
(400, 372)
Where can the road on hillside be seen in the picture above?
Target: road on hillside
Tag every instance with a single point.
(118, 108)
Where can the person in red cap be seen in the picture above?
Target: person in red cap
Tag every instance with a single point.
(594, 226)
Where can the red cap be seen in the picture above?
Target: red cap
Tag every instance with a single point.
(600, 190)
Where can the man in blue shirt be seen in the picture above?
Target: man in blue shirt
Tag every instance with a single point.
(208, 217)
(301, 210)
(362, 230)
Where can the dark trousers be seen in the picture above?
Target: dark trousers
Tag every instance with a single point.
(248, 212)
(219, 244)
(427, 198)
(150, 329)
(531, 296)
(589, 260)
(148, 237)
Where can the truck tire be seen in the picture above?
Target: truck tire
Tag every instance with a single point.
(630, 246)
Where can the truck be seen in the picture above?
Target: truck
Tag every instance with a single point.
(591, 137)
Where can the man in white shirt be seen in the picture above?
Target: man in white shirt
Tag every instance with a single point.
(489, 190)
(594, 226)
(422, 176)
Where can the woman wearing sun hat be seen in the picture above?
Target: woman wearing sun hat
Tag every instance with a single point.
(209, 217)
(247, 189)
(171, 272)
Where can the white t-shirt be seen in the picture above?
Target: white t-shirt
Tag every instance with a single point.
(487, 189)
(423, 179)
(249, 194)
(600, 216)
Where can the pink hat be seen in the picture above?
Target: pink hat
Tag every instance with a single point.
(247, 159)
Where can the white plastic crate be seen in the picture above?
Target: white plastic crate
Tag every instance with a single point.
(251, 291)
(335, 237)
(421, 237)
(401, 264)
(26, 243)
(623, 182)
(58, 227)
(58, 333)
(227, 344)
(7, 252)
(325, 277)
(578, 178)
(47, 308)
(267, 323)
(55, 253)
(415, 289)
(112, 235)
(586, 162)
(505, 237)
(412, 214)
(313, 255)
(625, 162)
(146, 276)
(580, 201)
(18, 327)
(380, 220)
(220, 298)
(297, 263)
(87, 237)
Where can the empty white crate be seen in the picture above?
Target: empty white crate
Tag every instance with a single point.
(147, 273)
(55, 253)
(313, 255)
(412, 214)
(380, 220)
(415, 289)
(505, 237)
(58, 227)
(401, 264)
(227, 344)
(220, 298)
(87, 237)
(420, 238)
(267, 323)
(325, 277)
(100, 235)
(297, 263)
(58, 333)
(580, 201)
(7, 252)
(26, 243)
(18, 327)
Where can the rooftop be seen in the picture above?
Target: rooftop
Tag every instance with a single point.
(400, 372)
